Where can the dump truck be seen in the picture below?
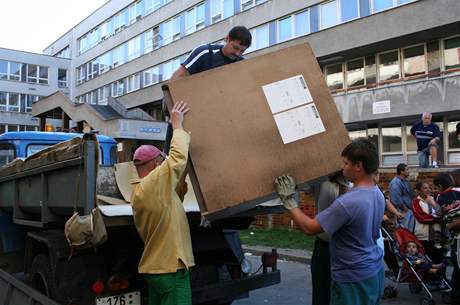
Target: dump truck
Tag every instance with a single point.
(40, 193)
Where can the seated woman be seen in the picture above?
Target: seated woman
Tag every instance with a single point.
(427, 228)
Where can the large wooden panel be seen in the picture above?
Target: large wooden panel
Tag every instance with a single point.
(236, 149)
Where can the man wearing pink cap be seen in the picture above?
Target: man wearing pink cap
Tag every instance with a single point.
(160, 217)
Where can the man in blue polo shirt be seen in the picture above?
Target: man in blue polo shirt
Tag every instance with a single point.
(353, 223)
(428, 136)
(209, 56)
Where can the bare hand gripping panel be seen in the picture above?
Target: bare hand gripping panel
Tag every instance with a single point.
(236, 149)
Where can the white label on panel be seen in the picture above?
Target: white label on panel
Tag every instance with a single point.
(286, 94)
(299, 123)
(381, 107)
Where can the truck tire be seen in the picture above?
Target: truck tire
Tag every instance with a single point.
(41, 275)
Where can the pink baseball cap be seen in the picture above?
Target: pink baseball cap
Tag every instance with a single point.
(147, 153)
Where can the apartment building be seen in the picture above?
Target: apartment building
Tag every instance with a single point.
(385, 61)
(24, 78)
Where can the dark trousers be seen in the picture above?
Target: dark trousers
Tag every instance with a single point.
(321, 273)
(436, 255)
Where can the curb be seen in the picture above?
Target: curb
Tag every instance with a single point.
(288, 257)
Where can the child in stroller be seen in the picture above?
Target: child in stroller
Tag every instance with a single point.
(419, 261)
(409, 273)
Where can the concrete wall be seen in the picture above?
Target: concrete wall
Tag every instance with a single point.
(441, 94)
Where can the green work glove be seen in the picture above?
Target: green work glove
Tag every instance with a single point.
(285, 187)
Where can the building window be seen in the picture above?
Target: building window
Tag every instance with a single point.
(414, 61)
(103, 94)
(134, 48)
(171, 30)
(221, 9)
(9, 101)
(379, 5)
(391, 139)
(388, 66)
(151, 76)
(148, 41)
(247, 4)
(453, 147)
(81, 74)
(93, 97)
(334, 76)
(452, 53)
(260, 38)
(106, 30)
(169, 68)
(134, 82)
(62, 78)
(120, 21)
(13, 102)
(355, 73)
(15, 71)
(118, 88)
(118, 56)
(285, 29)
(3, 69)
(392, 145)
(30, 99)
(135, 12)
(356, 134)
(349, 9)
(370, 70)
(32, 73)
(302, 23)
(194, 19)
(43, 75)
(328, 14)
(3, 101)
(433, 58)
(13, 128)
(104, 63)
(65, 53)
(92, 69)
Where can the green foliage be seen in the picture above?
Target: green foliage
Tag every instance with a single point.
(277, 238)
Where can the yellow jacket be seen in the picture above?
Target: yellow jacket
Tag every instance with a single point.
(159, 214)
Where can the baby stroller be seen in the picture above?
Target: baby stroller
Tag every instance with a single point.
(404, 271)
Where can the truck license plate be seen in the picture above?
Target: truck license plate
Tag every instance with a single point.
(130, 298)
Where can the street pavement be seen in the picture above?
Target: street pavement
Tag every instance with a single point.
(295, 286)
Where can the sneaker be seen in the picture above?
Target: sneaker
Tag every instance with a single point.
(435, 166)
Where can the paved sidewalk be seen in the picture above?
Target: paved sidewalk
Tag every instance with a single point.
(301, 256)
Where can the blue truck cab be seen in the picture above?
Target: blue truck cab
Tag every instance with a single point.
(22, 144)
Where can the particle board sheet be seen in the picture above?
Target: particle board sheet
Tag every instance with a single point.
(254, 120)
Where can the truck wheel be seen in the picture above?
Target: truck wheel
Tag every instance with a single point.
(41, 275)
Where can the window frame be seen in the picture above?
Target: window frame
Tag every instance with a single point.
(402, 59)
(341, 15)
(346, 74)
(343, 75)
(63, 83)
(338, 14)
(377, 61)
(442, 50)
(372, 6)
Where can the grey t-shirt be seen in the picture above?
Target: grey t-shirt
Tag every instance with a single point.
(353, 223)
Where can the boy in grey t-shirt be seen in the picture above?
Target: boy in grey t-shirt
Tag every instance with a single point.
(353, 223)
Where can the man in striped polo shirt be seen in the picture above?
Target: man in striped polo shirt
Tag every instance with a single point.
(209, 56)
(428, 135)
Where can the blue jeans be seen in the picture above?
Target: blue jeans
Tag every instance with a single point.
(424, 155)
